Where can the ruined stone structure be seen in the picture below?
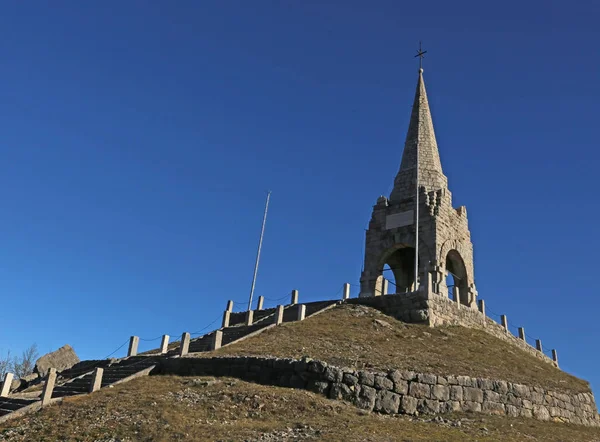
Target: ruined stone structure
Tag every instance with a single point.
(444, 239)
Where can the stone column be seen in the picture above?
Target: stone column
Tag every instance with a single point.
(184, 347)
(261, 303)
(429, 285)
(250, 317)
(8, 378)
(294, 299)
(164, 344)
(96, 383)
(378, 286)
(472, 296)
(134, 341)
(229, 307)
(504, 322)
(48, 387)
(555, 356)
(385, 286)
(437, 279)
(279, 315)
(217, 340)
(481, 303)
(346, 293)
(538, 345)
(456, 295)
(226, 316)
(522, 333)
(301, 312)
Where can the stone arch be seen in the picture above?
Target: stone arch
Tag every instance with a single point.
(401, 260)
(455, 266)
(463, 250)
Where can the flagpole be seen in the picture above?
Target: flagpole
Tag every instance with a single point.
(262, 234)
(417, 225)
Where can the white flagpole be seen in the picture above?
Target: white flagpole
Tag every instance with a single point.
(417, 225)
(262, 234)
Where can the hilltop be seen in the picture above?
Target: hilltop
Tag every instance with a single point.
(362, 337)
(204, 408)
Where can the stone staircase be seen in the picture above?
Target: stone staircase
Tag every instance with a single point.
(262, 320)
(122, 370)
(231, 333)
(239, 318)
(9, 405)
(78, 379)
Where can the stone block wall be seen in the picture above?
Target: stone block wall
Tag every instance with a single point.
(398, 391)
(410, 307)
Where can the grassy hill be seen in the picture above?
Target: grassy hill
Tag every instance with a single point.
(167, 408)
(359, 336)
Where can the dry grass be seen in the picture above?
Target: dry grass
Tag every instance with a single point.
(351, 336)
(166, 408)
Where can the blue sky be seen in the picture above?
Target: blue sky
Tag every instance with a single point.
(138, 139)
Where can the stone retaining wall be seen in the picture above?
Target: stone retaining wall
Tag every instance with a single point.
(436, 310)
(407, 307)
(397, 391)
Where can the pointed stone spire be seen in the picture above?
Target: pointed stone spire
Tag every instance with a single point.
(420, 136)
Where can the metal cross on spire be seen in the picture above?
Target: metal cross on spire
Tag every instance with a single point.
(421, 54)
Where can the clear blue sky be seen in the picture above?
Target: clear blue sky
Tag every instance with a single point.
(138, 140)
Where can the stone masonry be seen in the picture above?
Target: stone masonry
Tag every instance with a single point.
(444, 237)
(398, 391)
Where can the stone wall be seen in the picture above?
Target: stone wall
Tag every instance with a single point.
(436, 310)
(397, 391)
(407, 307)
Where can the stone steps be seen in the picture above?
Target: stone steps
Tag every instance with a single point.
(8, 405)
(262, 319)
(114, 373)
(239, 318)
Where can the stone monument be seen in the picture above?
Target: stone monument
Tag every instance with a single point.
(444, 246)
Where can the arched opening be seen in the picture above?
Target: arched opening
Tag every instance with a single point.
(456, 277)
(388, 281)
(399, 267)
